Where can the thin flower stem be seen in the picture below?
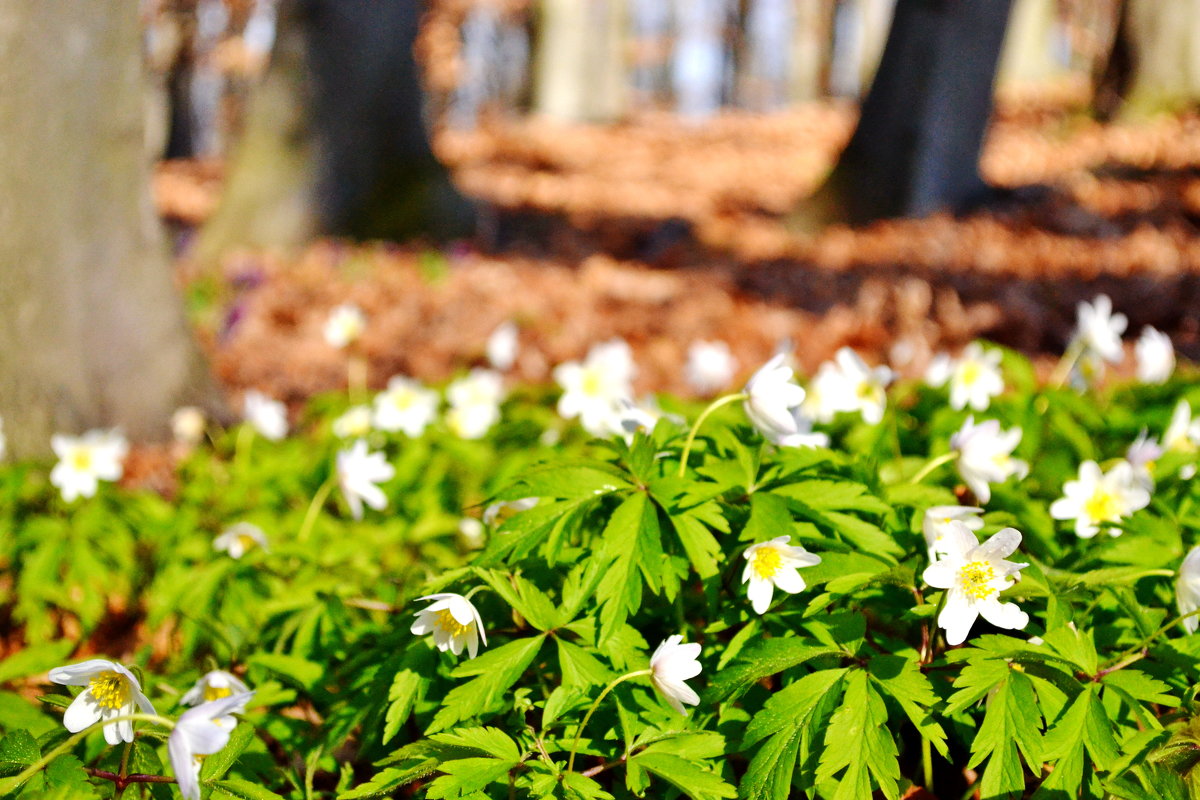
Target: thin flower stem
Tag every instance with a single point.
(928, 469)
(9, 785)
(1066, 364)
(691, 439)
(314, 508)
(595, 705)
(927, 764)
(1145, 643)
(121, 783)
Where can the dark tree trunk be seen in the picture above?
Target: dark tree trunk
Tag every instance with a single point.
(336, 138)
(916, 148)
(92, 331)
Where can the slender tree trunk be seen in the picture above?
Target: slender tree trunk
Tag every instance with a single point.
(916, 148)
(336, 139)
(92, 331)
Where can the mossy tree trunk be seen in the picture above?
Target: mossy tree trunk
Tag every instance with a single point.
(336, 140)
(92, 330)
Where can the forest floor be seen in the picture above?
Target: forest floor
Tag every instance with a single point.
(664, 233)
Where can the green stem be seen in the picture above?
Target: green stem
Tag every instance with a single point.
(713, 406)
(595, 705)
(945, 458)
(1145, 643)
(9, 785)
(927, 763)
(314, 508)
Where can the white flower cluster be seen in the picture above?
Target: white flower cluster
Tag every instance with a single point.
(112, 697)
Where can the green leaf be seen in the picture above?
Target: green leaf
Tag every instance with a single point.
(901, 679)
(492, 741)
(579, 667)
(295, 670)
(389, 780)
(686, 776)
(216, 765)
(768, 657)
(243, 790)
(1011, 722)
(630, 539)
(567, 481)
(407, 689)
(858, 741)
(66, 775)
(529, 601)
(498, 670)
(791, 705)
(826, 495)
(467, 775)
(17, 751)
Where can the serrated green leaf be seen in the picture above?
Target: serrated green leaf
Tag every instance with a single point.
(243, 790)
(216, 765)
(687, 776)
(827, 495)
(579, 667)
(858, 744)
(298, 671)
(767, 657)
(492, 741)
(902, 680)
(529, 601)
(497, 670)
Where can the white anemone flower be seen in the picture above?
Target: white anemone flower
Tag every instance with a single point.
(345, 325)
(85, 460)
(187, 425)
(1097, 497)
(973, 576)
(974, 376)
(502, 346)
(774, 405)
(710, 367)
(214, 685)
(1098, 330)
(110, 691)
(354, 423)
(1142, 456)
(985, 455)
(358, 472)
(474, 403)
(239, 539)
(1155, 356)
(267, 416)
(593, 388)
(453, 621)
(671, 665)
(864, 388)
(199, 732)
(1183, 432)
(825, 393)
(773, 564)
(937, 522)
(405, 405)
(1187, 589)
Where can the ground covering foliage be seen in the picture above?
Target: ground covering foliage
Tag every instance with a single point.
(492, 602)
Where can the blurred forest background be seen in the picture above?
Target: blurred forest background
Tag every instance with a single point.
(662, 170)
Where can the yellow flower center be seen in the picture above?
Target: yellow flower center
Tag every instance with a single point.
(868, 391)
(111, 690)
(975, 580)
(247, 541)
(446, 621)
(216, 692)
(1102, 505)
(969, 373)
(81, 460)
(766, 562)
(592, 383)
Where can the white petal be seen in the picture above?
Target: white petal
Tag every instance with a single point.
(940, 574)
(1003, 615)
(181, 765)
(759, 593)
(81, 713)
(956, 619)
(789, 580)
(1000, 544)
(82, 673)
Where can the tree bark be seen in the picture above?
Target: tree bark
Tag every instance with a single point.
(336, 141)
(92, 330)
(916, 148)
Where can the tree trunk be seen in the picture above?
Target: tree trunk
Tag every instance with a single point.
(336, 140)
(92, 331)
(916, 148)
(1165, 40)
(579, 63)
